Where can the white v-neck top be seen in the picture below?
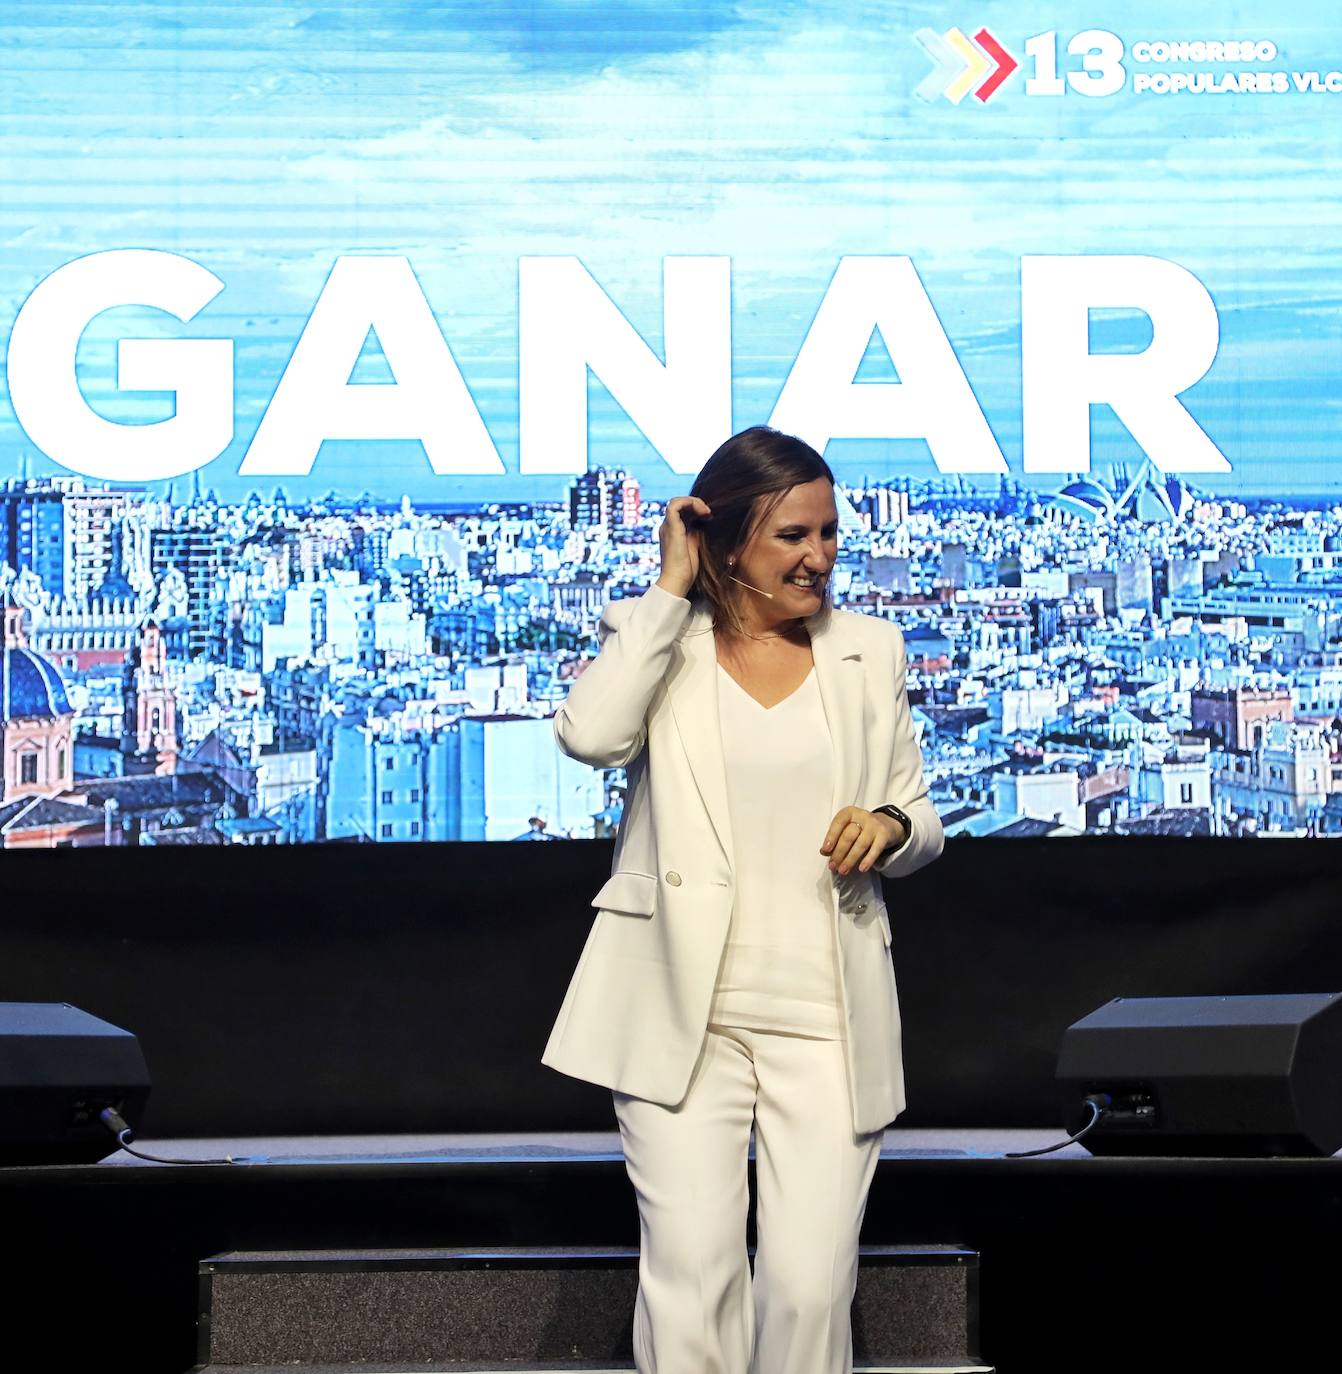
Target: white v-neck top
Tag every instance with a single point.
(778, 970)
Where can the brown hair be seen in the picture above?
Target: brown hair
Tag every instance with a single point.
(743, 482)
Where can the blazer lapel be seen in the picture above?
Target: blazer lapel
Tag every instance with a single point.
(692, 688)
(838, 671)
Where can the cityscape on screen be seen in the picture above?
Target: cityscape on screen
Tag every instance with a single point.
(1123, 654)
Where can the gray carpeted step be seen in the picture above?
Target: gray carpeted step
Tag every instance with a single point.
(495, 1309)
(858, 1368)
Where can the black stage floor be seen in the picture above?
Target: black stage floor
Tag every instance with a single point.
(1087, 1263)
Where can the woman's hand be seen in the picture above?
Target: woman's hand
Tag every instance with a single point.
(680, 544)
(860, 837)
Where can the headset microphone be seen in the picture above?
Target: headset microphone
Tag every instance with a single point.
(770, 595)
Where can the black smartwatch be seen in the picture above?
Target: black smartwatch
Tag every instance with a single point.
(895, 814)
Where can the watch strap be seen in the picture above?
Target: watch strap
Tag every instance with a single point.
(894, 812)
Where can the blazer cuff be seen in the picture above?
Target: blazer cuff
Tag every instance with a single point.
(924, 843)
(659, 593)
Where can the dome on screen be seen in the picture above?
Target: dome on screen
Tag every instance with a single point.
(30, 686)
(1150, 497)
(1086, 497)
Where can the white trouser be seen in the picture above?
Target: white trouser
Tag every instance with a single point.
(697, 1310)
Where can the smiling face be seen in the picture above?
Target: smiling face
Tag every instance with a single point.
(799, 539)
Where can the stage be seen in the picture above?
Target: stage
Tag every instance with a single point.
(1074, 1262)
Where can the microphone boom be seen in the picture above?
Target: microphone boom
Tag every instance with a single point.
(770, 595)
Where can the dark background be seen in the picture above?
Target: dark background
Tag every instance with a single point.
(388, 988)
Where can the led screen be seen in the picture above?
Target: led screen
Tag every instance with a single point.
(352, 353)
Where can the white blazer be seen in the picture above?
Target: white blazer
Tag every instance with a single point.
(636, 1010)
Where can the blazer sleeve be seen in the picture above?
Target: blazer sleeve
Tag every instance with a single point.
(906, 787)
(603, 722)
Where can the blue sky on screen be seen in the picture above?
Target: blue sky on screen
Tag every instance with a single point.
(265, 140)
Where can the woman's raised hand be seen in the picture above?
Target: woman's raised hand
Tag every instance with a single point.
(680, 544)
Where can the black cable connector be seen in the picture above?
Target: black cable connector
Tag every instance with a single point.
(1099, 1103)
(119, 1127)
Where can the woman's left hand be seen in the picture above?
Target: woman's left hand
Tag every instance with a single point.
(858, 837)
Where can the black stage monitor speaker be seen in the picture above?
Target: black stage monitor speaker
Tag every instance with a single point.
(1208, 1075)
(59, 1067)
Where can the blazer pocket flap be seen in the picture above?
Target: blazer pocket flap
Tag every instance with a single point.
(635, 893)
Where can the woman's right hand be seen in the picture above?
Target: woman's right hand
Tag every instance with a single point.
(680, 546)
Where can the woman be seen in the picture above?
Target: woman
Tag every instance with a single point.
(738, 966)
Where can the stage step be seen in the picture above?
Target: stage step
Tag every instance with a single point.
(494, 1309)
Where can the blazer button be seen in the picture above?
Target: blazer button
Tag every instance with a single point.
(673, 877)
(861, 907)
